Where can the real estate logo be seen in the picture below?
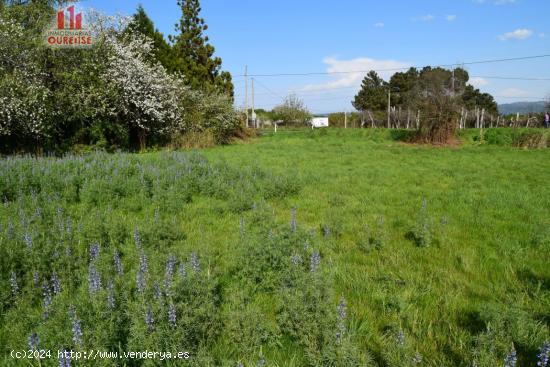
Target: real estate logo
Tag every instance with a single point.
(67, 30)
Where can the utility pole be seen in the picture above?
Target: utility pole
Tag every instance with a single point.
(253, 112)
(345, 119)
(246, 93)
(389, 108)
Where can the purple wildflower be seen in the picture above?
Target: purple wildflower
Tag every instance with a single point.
(34, 341)
(36, 278)
(56, 283)
(149, 321)
(110, 295)
(195, 263)
(77, 327)
(28, 240)
(544, 355)
(315, 260)
(296, 260)
(172, 315)
(142, 272)
(400, 338)
(65, 359)
(94, 279)
(47, 294)
(169, 274)
(94, 251)
(341, 311)
(13, 284)
(157, 293)
(137, 238)
(118, 262)
(511, 359)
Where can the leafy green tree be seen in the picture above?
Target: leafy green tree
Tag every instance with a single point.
(195, 55)
(162, 51)
(372, 95)
(292, 111)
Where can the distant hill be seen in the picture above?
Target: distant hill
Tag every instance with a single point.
(522, 107)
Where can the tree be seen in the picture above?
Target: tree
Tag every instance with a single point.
(293, 111)
(372, 95)
(162, 51)
(195, 55)
(439, 105)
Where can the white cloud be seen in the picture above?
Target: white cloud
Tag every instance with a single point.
(354, 70)
(424, 18)
(450, 18)
(513, 93)
(542, 35)
(518, 34)
(478, 82)
(379, 25)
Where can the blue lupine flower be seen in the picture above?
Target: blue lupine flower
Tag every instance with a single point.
(169, 274)
(118, 262)
(137, 238)
(182, 271)
(149, 321)
(157, 293)
(47, 294)
(28, 240)
(56, 284)
(342, 309)
(544, 355)
(511, 359)
(315, 261)
(34, 342)
(341, 314)
(172, 315)
(94, 279)
(110, 295)
(94, 251)
(142, 272)
(400, 338)
(65, 359)
(296, 260)
(76, 327)
(13, 283)
(195, 263)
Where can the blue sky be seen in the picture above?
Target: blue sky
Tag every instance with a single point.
(302, 36)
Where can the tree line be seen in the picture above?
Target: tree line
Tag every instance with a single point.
(131, 90)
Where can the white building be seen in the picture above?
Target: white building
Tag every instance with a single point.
(319, 122)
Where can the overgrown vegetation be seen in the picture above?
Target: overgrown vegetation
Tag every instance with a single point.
(335, 266)
(130, 90)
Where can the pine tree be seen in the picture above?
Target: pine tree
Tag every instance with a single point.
(162, 51)
(195, 55)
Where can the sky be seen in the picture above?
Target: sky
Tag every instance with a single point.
(351, 36)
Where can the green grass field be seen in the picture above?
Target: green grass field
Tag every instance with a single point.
(429, 256)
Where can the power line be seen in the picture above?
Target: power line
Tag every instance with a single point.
(404, 68)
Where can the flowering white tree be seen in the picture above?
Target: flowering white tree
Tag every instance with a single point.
(23, 97)
(148, 93)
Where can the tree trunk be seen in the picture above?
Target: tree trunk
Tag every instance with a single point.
(141, 137)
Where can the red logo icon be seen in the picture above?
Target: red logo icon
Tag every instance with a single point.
(75, 20)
